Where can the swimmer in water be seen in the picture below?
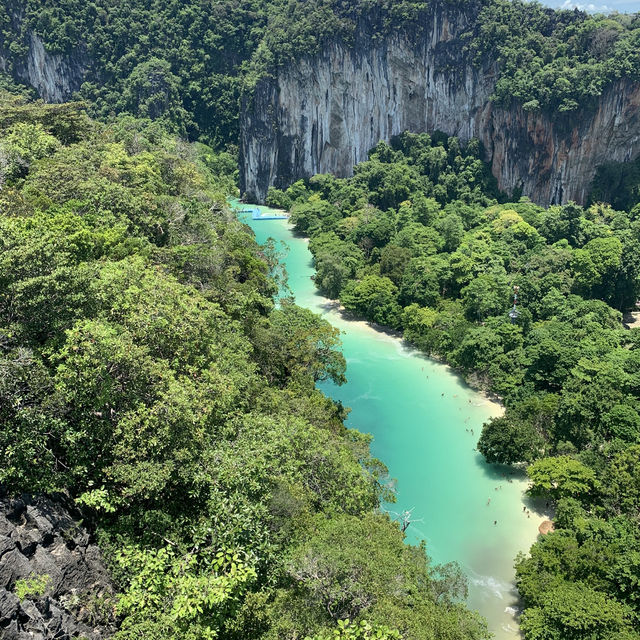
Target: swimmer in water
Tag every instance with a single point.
(495, 522)
(488, 502)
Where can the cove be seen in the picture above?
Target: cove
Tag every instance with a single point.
(425, 422)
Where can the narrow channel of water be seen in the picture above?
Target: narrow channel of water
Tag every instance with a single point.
(426, 423)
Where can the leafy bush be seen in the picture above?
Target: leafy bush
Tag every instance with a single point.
(32, 587)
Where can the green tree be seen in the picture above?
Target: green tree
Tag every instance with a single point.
(486, 295)
(180, 597)
(506, 440)
(153, 91)
(373, 297)
(561, 476)
(347, 630)
(575, 611)
(420, 283)
(621, 482)
(597, 265)
(341, 573)
(297, 340)
(393, 262)
(623, 421)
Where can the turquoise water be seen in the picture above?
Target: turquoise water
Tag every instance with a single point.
(426, 422)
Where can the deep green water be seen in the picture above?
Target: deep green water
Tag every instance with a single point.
(426, 422)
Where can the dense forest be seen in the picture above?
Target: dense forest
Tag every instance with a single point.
(420, 240)
(145, 372)
(188, 62)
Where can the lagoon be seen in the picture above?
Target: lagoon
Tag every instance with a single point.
(426, 422)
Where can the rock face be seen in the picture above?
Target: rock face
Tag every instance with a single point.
(54, 76)
(324, 113)
(40, 539)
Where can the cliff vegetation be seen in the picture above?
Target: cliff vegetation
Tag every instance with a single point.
(187, 62)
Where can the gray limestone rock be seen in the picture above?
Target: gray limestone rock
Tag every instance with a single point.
(53, 75)
(41, 537)
(322, 114)
(13, 566)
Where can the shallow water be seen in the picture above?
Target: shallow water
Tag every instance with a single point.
(426, 423)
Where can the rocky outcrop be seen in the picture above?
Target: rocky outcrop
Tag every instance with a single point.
(554, 160)
(324, 113)
(54, 76)
(50, 561)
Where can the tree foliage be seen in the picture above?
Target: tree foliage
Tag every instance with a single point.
(147, 371)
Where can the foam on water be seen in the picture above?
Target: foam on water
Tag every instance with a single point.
(492, 585)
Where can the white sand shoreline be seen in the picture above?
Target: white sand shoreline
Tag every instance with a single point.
(524, 515)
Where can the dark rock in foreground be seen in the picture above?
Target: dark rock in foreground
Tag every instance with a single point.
(47, 554)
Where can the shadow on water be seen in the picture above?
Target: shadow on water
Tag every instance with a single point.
(502, 473)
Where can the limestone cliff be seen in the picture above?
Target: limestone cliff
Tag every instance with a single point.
(323, 113)
(54, 76)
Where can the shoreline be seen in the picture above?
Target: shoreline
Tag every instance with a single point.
(334, 305)
(526, 514)
(535, 506)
